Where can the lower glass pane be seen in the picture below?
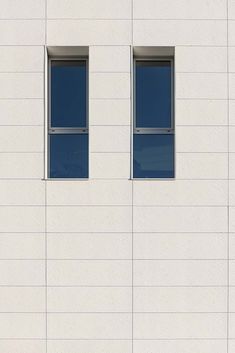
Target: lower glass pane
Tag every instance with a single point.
(153, 156)
(68, 156)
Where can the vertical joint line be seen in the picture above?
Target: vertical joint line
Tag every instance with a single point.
(228, 230)
(45, 151)
(132, 182)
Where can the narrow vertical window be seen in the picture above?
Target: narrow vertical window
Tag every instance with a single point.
(68, 118)
(153, 140)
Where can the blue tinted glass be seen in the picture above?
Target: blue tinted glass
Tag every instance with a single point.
(153, 94)
(68, 94)
(68, 156)
(153, 156)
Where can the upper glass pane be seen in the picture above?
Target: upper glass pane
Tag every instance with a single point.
(153, 97)
(68, 93)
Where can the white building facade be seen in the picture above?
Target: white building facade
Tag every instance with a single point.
(112, 263)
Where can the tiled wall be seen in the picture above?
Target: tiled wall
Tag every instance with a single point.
(111, 265)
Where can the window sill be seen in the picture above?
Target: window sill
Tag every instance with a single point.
(65, 179)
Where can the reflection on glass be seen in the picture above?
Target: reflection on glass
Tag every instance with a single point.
(68, 93)
(153, 94)
(69, 156)
(153, 156)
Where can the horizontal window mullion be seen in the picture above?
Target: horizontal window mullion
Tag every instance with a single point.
(153, 131)
(68, 131)
(50, 127)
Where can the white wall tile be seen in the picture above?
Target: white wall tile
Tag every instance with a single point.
(232, 299)
(22, 325)
(232, 112)
(200, 59)
(22, 272)
(180, 246)
(109, 85)
(232, 86)
(21, 165)
(231, 345)
(89, 273)
(147, 326)
(231, 58)
(109, 112)
(232, 219)
(89, 299)
(109, 165)
(181, 299)
(22, 32)
(22, 219)
(180, 9)
(232, 246)
(231, 29)
(232, 165)
(182, 346)
(189, 272)
(89, 246)
(232, 325)
(90, 192)
(92, 9)
(89, 219)
(201, 139)
(201, 85)
(180, 192)
(23, 192)
(22, 246)
(89, 346)
(21, 58)
(231, 9)
(85, 32)
(29, 9)
(173, 33)
(22, 299)
(231, 272)
(201, 112)
(87, 326)
(109, 58)
(109, 139)
(180, 219)
(201, 165)
(19, 346)
(21, 139)
(21, 112)
(21, 85)
(232, 193)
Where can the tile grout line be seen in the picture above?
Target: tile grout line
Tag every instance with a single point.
(45, 127)
(116, 312)
(123, 45)
(132, 263)
(54, 233)
(228, 191)
(113, 286)
(119, 339)
(51, 259)
(154, 19)
(132, 182)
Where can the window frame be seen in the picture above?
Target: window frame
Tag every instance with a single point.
(154, 131)
(63, 130)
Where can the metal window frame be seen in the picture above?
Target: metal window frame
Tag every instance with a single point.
(154, 130)
(68, 130)
(63, 130)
